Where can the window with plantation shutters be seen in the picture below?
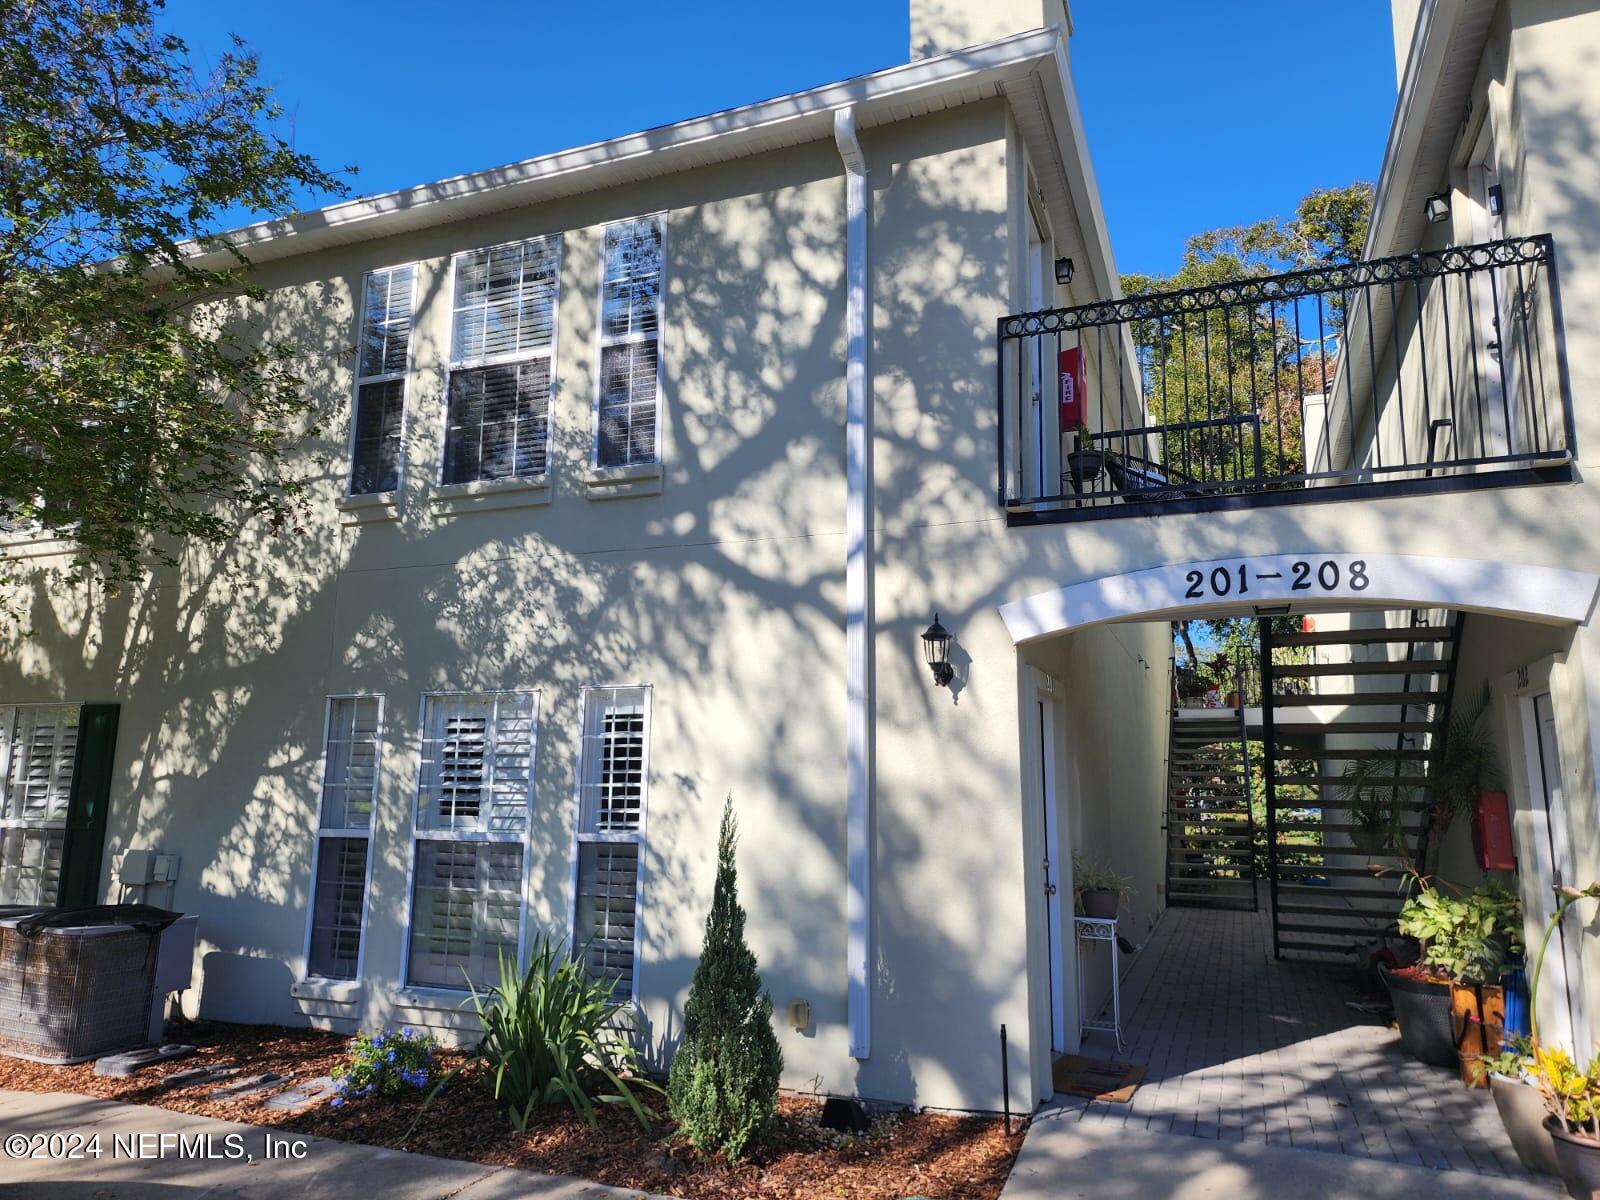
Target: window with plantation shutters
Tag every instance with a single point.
(378, 421)
(614, 776)
(497, 423)
(630, 344)
(344, 835)
(38, 746)
(474, 790)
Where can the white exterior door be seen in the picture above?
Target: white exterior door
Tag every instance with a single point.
(1553, 854)
(1492, 300)
(1045, 716)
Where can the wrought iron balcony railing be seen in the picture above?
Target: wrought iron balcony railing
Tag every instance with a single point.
(1433, 371)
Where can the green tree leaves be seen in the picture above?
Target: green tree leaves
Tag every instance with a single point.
(143, 398)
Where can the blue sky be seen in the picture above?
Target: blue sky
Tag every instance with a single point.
(1198, 115)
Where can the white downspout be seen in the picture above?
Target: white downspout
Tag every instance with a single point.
(858, 628)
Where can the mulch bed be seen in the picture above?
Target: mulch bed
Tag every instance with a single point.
(935, 1155)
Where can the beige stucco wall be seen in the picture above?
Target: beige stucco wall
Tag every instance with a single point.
(725, 593)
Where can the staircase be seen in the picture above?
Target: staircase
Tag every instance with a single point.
(1390, 687)
(1210, 832)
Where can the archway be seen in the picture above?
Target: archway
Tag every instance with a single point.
(1321, 580)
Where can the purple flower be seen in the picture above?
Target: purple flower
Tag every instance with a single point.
(337, 1102)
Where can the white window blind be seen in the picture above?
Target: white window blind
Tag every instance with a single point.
(38, 745)
(344, 832)
(379, 418)
(630, 359)
(498, 420)
(614, 778)
(474, 792)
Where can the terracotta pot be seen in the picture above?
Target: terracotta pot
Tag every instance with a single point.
(1577, 1160)
(1097, 902)
(1422, 1010)
(1523, 1113)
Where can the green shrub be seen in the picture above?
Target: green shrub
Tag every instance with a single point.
(384, 1064)
(723, 1085)
(551, 1036)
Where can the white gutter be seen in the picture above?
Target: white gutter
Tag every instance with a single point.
(880, 97)
(858, 627)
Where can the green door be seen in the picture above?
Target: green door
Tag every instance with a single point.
(86, 809)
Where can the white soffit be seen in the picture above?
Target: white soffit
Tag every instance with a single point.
(1028, 65)
(1435, 92)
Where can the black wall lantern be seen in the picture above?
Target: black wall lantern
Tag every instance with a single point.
(936, 645)
(1438, 207)
(1064, 271)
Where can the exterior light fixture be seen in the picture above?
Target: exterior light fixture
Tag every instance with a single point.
(936, 646)
(1497, 200)
(1064, 271)
(1438, 207)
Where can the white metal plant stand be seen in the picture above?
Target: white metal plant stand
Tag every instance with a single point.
(1091, 930)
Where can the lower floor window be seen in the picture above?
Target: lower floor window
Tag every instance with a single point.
(38, 751)
(466, 907)
(30, 865)
(336, 911)
(608, 889)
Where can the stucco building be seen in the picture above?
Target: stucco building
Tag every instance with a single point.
(650, 461)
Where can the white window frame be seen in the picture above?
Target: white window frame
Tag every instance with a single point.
(582, 837)
(403, 376)
(419, 834)
(515, 357)
(604, 342)
(319, 833)
(8, 717)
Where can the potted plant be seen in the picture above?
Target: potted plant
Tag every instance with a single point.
(1572, 1103)
(1570, 1099)
(1420, 993)
(1521, 1109)
(1486, 939)
(1084, 462)
(1099, 890)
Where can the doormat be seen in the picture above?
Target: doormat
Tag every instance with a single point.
(1096, 1079)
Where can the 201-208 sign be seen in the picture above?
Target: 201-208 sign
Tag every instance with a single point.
(1303, 575)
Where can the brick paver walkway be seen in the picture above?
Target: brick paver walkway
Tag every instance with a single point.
(1240, 1047)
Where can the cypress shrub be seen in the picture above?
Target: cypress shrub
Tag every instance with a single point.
(722, 1088)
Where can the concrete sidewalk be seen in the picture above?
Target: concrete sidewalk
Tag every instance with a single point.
(328, 1170)
(1064, 1158)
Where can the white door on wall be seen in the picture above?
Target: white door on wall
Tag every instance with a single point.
(1493, 303)
(1553, 856)
(1045, 716)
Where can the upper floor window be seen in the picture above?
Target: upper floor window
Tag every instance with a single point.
(630, 359)
(498, 421)
(379, 419)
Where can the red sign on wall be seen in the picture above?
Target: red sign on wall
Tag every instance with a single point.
(1491, 832)
(1072, 391)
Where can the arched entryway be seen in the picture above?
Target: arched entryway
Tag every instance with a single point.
(1096, 651)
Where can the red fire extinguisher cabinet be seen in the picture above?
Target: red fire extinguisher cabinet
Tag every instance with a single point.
(1491, 832)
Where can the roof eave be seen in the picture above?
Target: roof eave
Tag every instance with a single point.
(800, 117)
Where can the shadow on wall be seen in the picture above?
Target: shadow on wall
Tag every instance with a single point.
(222, 664)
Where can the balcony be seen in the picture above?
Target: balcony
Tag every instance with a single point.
(1432, 371)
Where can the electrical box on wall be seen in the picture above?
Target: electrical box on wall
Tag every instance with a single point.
(134, 867)
(164, 868)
